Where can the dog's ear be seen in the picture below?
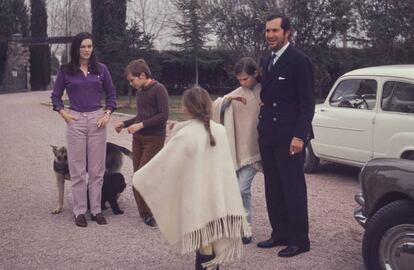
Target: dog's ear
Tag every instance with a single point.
(54, 148)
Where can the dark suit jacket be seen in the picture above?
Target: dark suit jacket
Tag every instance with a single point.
(288, 99)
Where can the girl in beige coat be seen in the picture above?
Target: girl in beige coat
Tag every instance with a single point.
(238, 111)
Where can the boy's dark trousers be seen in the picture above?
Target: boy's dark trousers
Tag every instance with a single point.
(144, 148)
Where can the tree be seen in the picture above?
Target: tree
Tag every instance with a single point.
(108, 21)
(115, 44)
(152, 17)
(192, 31)
(239, 24)
(319, 23)
(67, 18)
(14, 18)
(108, 29)
(389, 24)
(39, 54)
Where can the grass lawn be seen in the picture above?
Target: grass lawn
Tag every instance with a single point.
(123, 107)
(174, 102)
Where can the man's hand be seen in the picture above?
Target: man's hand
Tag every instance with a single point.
(119, 126)
(135, 127)
(296, 146)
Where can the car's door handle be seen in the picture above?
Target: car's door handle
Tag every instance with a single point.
(324, 110)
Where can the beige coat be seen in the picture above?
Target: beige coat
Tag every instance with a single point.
(240, 121)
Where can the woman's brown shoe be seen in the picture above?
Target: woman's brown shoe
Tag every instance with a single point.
(99, 218)
(80, 220)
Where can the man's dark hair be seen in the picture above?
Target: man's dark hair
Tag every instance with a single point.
(285, 21)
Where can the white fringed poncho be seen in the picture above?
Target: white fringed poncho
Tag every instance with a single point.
(192, 190)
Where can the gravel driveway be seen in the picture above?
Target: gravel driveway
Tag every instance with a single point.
(32, 238)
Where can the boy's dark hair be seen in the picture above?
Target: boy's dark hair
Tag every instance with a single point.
(136, 67)
(285, 21)
(249, 66)
(198, 103)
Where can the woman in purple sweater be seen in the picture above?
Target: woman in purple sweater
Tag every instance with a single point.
(85, 81)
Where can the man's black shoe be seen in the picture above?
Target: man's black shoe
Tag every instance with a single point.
(272, 243)
(291, 251)
(246, 240)
(150, 221)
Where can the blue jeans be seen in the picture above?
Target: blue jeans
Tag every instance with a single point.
(245, 177)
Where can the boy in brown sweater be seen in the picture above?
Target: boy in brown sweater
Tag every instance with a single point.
(148, 126)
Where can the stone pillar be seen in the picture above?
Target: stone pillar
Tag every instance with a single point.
(17, 65)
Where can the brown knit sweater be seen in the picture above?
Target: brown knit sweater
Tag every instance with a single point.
(152, 110)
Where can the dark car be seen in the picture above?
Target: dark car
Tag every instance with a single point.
(386, 212)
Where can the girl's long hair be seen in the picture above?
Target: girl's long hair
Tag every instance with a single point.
(73, 66)
(249, 66)
(198, 103)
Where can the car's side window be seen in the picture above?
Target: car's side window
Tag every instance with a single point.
(398, 97)
(355, 93)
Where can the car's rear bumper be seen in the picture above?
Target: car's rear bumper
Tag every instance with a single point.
(359, 214)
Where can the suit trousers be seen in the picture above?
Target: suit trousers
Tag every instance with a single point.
(86, 146)
(144, 148)
(286, 194)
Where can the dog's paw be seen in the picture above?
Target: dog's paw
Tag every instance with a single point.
(57, 211)
(118, 212)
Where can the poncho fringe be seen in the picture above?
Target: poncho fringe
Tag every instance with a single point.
(230, 226)
(225, 227)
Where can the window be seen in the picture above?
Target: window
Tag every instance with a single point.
(398, 97)
(355, 93)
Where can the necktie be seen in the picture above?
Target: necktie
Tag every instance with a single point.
(272, 59)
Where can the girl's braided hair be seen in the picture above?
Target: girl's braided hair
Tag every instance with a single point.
(198, 103)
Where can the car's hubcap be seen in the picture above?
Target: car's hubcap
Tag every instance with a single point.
(396, 249)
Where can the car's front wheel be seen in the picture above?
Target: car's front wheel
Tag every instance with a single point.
(311, 160)
(389, 237)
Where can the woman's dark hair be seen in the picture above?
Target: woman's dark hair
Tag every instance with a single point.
(198, 103)
(73, 66)
(249, 66)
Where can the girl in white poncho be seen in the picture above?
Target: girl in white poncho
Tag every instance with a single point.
(191, 187)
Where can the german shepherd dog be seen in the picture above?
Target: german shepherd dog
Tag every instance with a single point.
(114, 182)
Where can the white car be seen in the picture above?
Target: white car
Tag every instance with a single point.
(369, 113)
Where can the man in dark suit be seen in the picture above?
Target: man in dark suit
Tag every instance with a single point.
(284, 128)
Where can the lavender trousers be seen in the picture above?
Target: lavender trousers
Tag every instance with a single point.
(86, 145)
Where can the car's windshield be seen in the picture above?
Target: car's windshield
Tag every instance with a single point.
(355, 93)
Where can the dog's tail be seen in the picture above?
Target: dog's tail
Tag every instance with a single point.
(124, 150)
